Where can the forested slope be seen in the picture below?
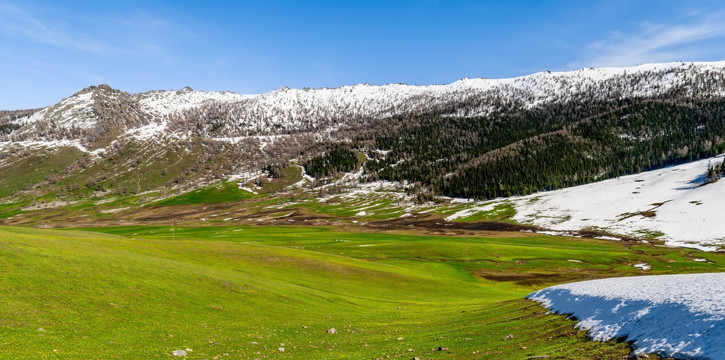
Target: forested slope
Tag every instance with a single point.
(550, 147)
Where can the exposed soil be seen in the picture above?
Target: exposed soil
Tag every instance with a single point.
(526, 278)
(498, 226)
(431, 222)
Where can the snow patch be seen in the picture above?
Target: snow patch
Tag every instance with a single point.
(148, 131)
(113, 211)
(470, 211)
(248, 190)
(679, 316)
(37, 144)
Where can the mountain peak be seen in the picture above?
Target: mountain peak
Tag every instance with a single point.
(100, 88)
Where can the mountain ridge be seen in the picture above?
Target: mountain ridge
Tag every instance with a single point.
(304, 109)
(466, 139)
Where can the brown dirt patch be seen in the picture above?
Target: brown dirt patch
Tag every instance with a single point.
(526, 278)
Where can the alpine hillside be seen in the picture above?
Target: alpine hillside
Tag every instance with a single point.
(474, 138)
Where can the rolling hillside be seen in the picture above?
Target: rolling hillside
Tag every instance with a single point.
(111, 156)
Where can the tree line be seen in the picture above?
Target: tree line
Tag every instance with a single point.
(561, 145)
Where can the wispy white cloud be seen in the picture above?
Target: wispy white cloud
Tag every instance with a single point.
(18, 22)
(140, 34)
(656, 42)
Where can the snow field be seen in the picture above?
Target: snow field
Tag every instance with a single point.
(673, 203)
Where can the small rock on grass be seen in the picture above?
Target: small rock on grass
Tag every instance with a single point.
(178, 353)
(508, 337)
(332, 331)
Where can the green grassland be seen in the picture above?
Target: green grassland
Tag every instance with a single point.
(223, 191)
(140, 292)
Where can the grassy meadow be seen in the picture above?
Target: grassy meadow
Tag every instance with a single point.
(224, 191)
(248, 292)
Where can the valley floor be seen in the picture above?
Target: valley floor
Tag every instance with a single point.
(247, 292)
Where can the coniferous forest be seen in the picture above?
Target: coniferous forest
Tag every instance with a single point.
(337, 159)
(550, 147)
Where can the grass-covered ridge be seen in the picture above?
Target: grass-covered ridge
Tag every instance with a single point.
(142, 292)
(223, 191)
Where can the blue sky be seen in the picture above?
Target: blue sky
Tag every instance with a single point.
(51, 49)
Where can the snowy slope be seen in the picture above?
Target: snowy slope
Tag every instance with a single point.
(671, 201)
(679, 316)
(530, 90)
(292, 109)
(74, 111)
(161, 103)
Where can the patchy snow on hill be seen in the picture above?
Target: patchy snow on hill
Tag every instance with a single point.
(75, 111)
(149, 131)
(27, 144)
(680, 316)
(303, 108)
(671, 204)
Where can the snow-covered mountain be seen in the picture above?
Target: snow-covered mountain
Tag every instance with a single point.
(225, 114)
